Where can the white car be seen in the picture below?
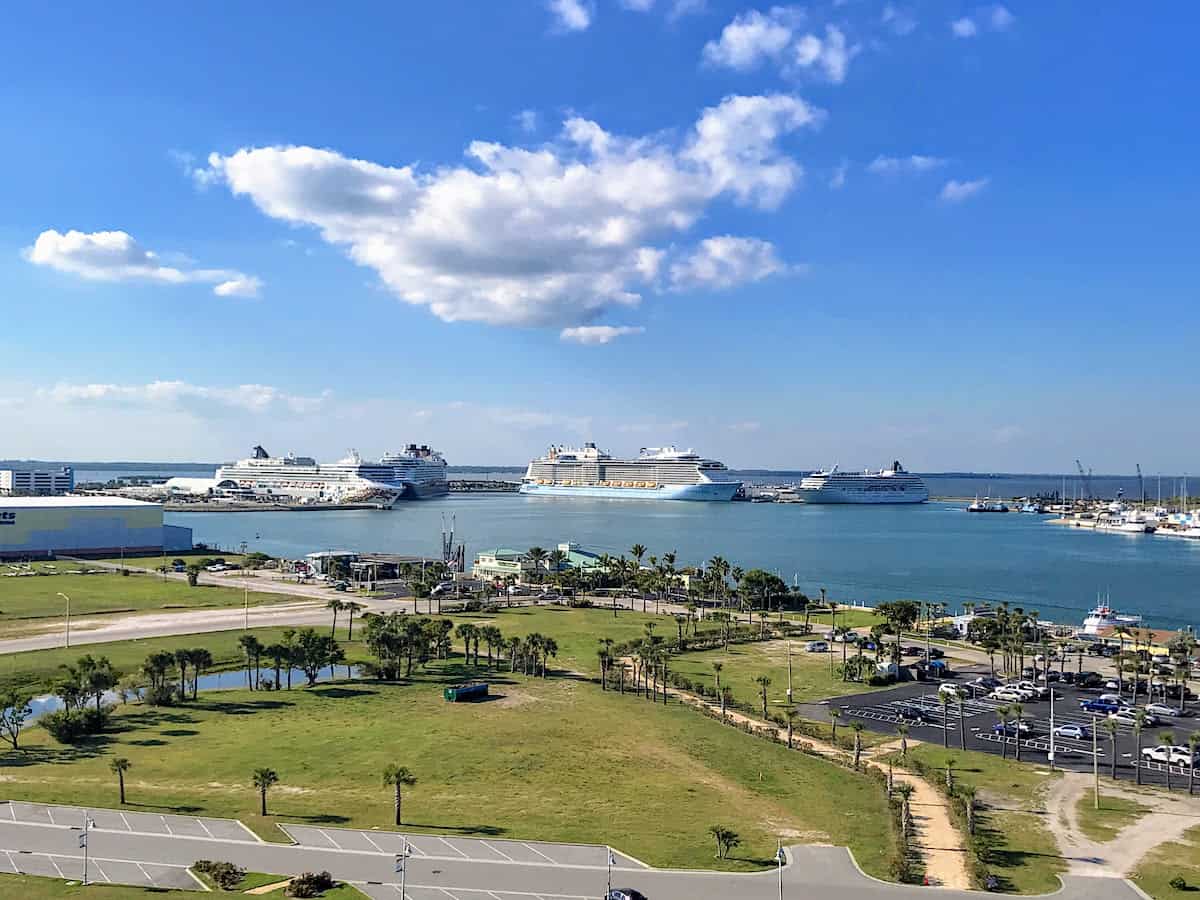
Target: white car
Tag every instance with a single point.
(1040, 691)
(1009, 695)
(1163, 709)
(1175, 756)
(817, 647)
(1156, 754)
(952, 690)
(1112, 698)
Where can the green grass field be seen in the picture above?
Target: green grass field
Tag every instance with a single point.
(32, 601)
(1114, 814)
(1024, 851)
(153, 562)
(31, 887)
(553, 759)
(1182, 859)
(848, 616)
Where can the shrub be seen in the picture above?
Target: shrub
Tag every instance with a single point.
(161, 695)
(69, 726)
(310, 884)
(225, 875)
(1179, 883)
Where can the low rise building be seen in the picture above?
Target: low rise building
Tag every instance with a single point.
(501, 563)
(85, 526)
(37, 482)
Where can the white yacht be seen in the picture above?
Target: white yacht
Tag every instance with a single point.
(658, 473)
(301, 479)
(421, 472)
(1120, 518)
(893, 485)
(1104, 616)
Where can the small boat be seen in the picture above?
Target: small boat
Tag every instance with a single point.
(987, 505)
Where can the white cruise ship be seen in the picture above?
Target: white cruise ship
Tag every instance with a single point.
(892, 485)
(301, 479)
(419, 470)
(658, 473)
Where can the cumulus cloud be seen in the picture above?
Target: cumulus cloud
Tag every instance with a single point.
(722, 262)
(956, 191)
(681, 8)
(257, 398)
(552, 236)
(527, 120)
(753, 38)
(116, 256)
(900, 21)
(570, 15)
(598, 334)
(901, 165)
(837, 180)
(993, 18)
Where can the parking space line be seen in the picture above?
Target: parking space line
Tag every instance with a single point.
(246, 828)
(126, 821)
(371, 842)
(166, 825)
(494, 897)
(452, 847)
(448, 894)
(50, 816)
(96, 863)
(144, 872)
(494, 850)
(53, 863)
(325, 834)
(12, 862)
(540, 853)
(12, 814)
(200, 822)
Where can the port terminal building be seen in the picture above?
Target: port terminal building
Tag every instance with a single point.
(44, 527)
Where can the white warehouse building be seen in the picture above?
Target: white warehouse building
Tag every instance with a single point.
(85, 526)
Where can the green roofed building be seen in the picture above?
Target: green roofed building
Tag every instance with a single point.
(498, 564)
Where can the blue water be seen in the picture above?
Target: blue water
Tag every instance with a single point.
(933, 551)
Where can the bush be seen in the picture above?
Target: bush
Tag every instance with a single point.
(69, 726)
(1179, 883)
(160, 695)
(225, 875)
(310, 884)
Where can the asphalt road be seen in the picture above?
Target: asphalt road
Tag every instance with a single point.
(46, 841)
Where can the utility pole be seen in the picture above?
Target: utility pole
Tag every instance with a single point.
(83, 843)
(402, 866)
(1050, 755)
(245, 607)
(779, 858)
(68, 599)
(608, 893)
(789, 687)
(1096, 762)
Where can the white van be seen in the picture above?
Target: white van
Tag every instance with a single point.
(817, 647)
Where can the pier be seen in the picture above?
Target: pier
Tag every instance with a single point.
(483, 487)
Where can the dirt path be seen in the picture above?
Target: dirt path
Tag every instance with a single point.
(938, 840)
(1169, 817)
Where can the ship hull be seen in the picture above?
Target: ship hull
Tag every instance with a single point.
(835, 495)
(424, 490)
(713, 491)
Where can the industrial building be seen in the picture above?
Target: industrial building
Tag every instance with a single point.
(37, 481)
(85, 526)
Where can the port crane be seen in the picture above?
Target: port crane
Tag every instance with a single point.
(1086, 478)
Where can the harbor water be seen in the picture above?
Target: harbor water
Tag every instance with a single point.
(865, 554)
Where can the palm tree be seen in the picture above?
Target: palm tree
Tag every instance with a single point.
(398, 777)
(944, 699)
(905, 790)
(950, 763)
(1194, 747)
(337, 606)
(1167, 739)
(967, 792)
(763, 682)
(835, 713)
(120, 766)
(351, 608)
(857, 727)
(1002, 713)
(791, 715)
(252, 647)
(201, 658)
(263, 780)
(1111, 727)
(288, 636)
(962, 721)
(1018, 713)
(536, 555)
(1139, 722)
(182, 658)
(279, 655)
(902, 730)
(717, 666)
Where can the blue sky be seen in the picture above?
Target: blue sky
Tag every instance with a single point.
(959, 234)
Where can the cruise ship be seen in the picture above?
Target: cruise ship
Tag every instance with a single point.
(658, 473)
(301, 479)
(892, 485)
(419, 470)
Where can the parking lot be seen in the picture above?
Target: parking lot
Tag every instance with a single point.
(454, 848)
(131, 822)
(881, 712)
(100, 870)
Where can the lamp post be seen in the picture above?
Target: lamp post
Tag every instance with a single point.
(83, 843)
(779, 858)
(68, 599)
(245, 607)
(1050, 755)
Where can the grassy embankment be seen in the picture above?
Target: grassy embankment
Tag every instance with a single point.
(1021, 849)
(538, 761)
(32, 887)
(1180, 859)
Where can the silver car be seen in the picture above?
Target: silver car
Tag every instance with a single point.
(1163, 709)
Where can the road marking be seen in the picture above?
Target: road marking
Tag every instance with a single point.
(196, 878)
(53, 863)
(166, 826)
(246, 828)
(11, 814)
(495, 850)
(126, 821)
(50, 816)
(448, 894)
(539, 853)
(96, 863)
(12, 862)
(494, 897)
(205, 827)
(144, 872)
(452, 847)
(371, 842)
(325, 835)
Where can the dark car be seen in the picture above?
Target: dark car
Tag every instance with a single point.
(625, 894)
(934, 653)
(1011, 728)
(912, 650)
(1068, 677)
(912, 714)
(1098, 705)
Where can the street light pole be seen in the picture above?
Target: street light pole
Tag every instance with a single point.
(246, 607)
(1050, 755)
(779, 858)
(68, 599)
(83, 843)
(1096, 762)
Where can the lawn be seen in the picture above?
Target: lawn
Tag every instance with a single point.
(1114, 814)
(1011, 818)
(554, 759)
(742, 663)
(846, 615)
(31, 887)
(1167, 861)
(153, 562)
(30, 602)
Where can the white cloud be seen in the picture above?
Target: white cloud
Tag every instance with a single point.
(723, 262)
(116, 256)
(837, 180)
(551, 236)
(570, 15)
(1000, 18)
(900, 165)
(180, 395)
(598, 334)
(964, 27)
(638, 5)
(527, 120)
(956, 191)
(681, 8)
(753, 38)
(901, 21)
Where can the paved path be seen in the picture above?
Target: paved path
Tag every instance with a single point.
(142, 858)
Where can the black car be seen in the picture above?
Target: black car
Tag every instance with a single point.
(1051, 675)
(1068, 677)
(912, 714)
(934, 652)
(626, 894)
(912, 650)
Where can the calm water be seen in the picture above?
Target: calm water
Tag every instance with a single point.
(934, 551)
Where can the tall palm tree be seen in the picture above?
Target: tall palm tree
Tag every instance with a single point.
(967, 792)
(120, 766)
(288, 639)
(264, 779)
(252, 647)
(1002, 713)
(1167, 739)
(536, 555)
(962, 720)
(1113, 730)
(717, 666)
(201, 659)
(763, 682)
(398, 777)
(835, 715)
(792, 714)
(857, 727)
(1139, 722)
(182, 658)
(902, 730)
(951, 762)
(352, 607)
(1018, 714)
(337, 606)
(944, 700)
(279, 656)
(1194, 746)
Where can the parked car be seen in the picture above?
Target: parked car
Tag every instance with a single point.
(1040, 691)
(952, 690)
(1163, 709)
(934, 652)
(1011, 728)
(1068, 677)
(1089, 680)
(1052, 675)
(1156, 754)
(1113, 698)
(817, 647)
(1010, 694)
(1078, 732)
(625, 894)
(1127, 715)
(913, 714)
(442, 588)
(845, 637)
(1099, 706)
(986, 681)
(911, 650)
(1112, 685)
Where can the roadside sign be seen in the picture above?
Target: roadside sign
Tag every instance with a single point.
(399, 862)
